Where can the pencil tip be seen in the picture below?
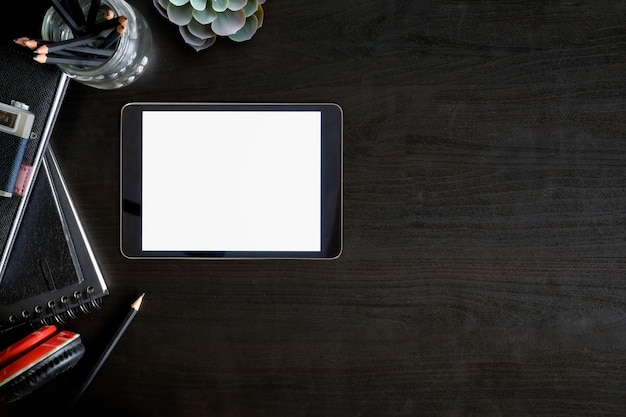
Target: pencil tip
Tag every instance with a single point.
(43, 49)
(137, 303)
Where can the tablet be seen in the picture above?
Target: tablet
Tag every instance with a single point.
(217, 181)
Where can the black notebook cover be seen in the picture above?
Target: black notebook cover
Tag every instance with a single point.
(42, 88)
(52, 275)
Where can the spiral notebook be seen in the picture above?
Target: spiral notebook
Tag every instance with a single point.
(52, 275)
(41, 88)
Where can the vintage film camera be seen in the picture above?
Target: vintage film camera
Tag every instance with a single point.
(16, 124)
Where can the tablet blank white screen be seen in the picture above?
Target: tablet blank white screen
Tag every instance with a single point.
(231, 181)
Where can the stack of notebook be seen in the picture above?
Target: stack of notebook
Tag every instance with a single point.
(48, 272)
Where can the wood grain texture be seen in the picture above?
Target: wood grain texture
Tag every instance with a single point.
(483, 271)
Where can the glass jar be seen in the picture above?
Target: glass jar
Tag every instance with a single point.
(129, 58)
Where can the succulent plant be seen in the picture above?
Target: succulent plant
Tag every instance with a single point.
(200, 22)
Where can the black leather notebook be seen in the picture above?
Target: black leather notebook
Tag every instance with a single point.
(41, 88)
(48, 272)
(52, 275)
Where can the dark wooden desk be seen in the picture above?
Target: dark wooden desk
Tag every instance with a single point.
(483, 270)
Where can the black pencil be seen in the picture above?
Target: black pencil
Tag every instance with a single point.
(67, 17)
(134, 308)
(77, 13)
(87, 51)
(31, 44)
(108, 24)
(92, 13)
(108, 14)
(60, 45)
(113, 36)
(70, 60)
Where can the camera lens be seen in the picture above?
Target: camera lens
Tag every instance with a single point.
(7, 119)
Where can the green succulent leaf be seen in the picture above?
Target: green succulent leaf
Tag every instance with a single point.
(199, 30)
(247, 31)
(179, 15)
(205, 16)
(162, 3)
(219, 5)
(189, 37)
(228, 22)
(200, 22)
(235, 5)
(198, 4)
(161, 6)
(251, 7)
(196, 43)
(260, 14)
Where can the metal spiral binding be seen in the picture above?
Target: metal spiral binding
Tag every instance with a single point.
(95, 303)
(83, 308)
(56, 316)
(67, 310)
(58, 311)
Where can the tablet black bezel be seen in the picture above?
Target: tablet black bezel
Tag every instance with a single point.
(332, 180)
